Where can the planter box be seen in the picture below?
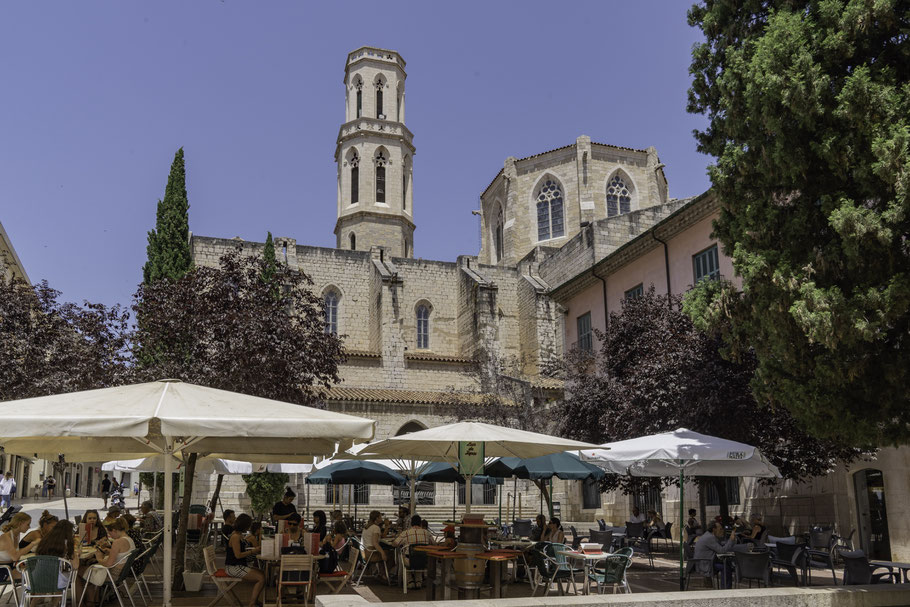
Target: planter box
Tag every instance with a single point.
(192, 581)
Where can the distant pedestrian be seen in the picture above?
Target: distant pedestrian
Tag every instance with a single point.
(51, 485)
(6, 488)
(106, 490)
(12, 492)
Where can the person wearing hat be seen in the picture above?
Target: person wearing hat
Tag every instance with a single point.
(113, 513)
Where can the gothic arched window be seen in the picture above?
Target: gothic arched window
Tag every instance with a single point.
(331, 312)
(355, 178)
(619, 198)
(353, 239)
(423, 327)
(379, 112)
(380, 176)
(405, 167)
(549, 210)
(497, 235)
(359, 86)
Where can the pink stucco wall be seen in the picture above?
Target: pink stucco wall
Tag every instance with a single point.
(647, 270)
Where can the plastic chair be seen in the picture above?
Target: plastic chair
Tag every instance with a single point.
(857, 570)
(792, 559)
(339, 578)
(562, 570)
(602, 524)
(8, 581)
(223, 582)
(41, 578)
(576, 539)
(612, 571)
(296, 571)
(604, 538)
(635, 530)
(417, 563)
(704, 568)
(521, 527)
(138, 569)
(753, 566)
(822, 557)
(666, 534)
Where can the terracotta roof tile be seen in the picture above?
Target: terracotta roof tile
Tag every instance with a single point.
(436, 357)
(383, 395)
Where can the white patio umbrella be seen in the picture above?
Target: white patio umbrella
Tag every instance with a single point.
(442, 444)
(171, 417)
(684, 453)
(204, 465)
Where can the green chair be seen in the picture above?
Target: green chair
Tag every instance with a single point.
(45, 577)
(611, 571)
(121, 580)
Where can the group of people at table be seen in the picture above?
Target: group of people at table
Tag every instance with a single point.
(94, 542)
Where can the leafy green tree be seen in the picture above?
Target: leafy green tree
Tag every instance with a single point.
(656, 372)
(264, 489)
(168, 244)
(808, 108)
(270, 265)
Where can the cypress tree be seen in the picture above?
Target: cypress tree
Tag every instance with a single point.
(168, 244)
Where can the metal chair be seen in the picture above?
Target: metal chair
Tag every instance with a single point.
(296, 571)
(366, 557)
(41, 577)
(121, 580)
(417, 563)
(612, 571)
(8, 581)
(604, 538)
(857, 570)
(792, 559)
(820, 554)
(753, 566)
(602, 524)
(562, 570)
(704, 568)
(666, 534)
(635, 530)
(139, 565)
(547, 570)
(576, 539)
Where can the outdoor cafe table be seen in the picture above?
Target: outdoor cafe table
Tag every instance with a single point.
(441, 557)
(891, 566)
(587, 558)
(498, 561)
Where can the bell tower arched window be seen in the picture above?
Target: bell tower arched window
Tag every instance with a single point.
(497, 235)
(380, 176)
(379, 112)
(331, 312)
(353, 239)
(550, 210)
(355, 178)
(423, 327)
(359, 86)
(619, 198)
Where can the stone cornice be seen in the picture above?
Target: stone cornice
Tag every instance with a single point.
(362, 213)
(388, 129)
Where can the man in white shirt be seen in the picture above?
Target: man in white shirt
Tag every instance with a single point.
(6, 488)
(637, 516)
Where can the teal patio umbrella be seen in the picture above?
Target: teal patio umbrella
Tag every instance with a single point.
(356, 472)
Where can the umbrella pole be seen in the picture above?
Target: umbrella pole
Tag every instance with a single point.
(468, 486)
(413, 492)
(454, 500)
(682, 577)
(168, 564)
(500, 505)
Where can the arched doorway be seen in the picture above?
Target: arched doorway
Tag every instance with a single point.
(873, 516)
(411, 426)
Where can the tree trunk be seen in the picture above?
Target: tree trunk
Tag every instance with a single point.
(180, 549)
(721, 488)
(542, 485)
(214, 503)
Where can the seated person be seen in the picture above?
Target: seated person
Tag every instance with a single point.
(654, 520)
(637, 516)
(238, 556)
(10, 552)
(112, 558)
(553, 532)
(708, 545)
(374, 549)
(150, 521)
(228, 527)
(94, 530)
(59, 542)
(319, 524)
(449, 540)
(113, 513)
(292, 528)
(412, 536)
(45, 524)
(537, 530)
(693, 525)
(404, 518)
(285, 508)
(254, 537)
(337, 538)
(756, 530)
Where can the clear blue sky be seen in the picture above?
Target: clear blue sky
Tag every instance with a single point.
(97, 97)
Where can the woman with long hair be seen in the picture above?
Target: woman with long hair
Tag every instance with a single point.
(45, 524)
(285, 508)
(237, 555)
(60, 542)
(10, 550)
(94, 530)
(112, 558)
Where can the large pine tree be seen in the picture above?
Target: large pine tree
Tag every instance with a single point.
(168, 244)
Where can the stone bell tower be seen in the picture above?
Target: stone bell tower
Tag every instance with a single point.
(374, 156)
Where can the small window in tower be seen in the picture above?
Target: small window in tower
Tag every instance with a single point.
(353, 239)
(359, 102)
(331, 313)
(379, 113)
(355, 178)
(497, 235)
(380, 177)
